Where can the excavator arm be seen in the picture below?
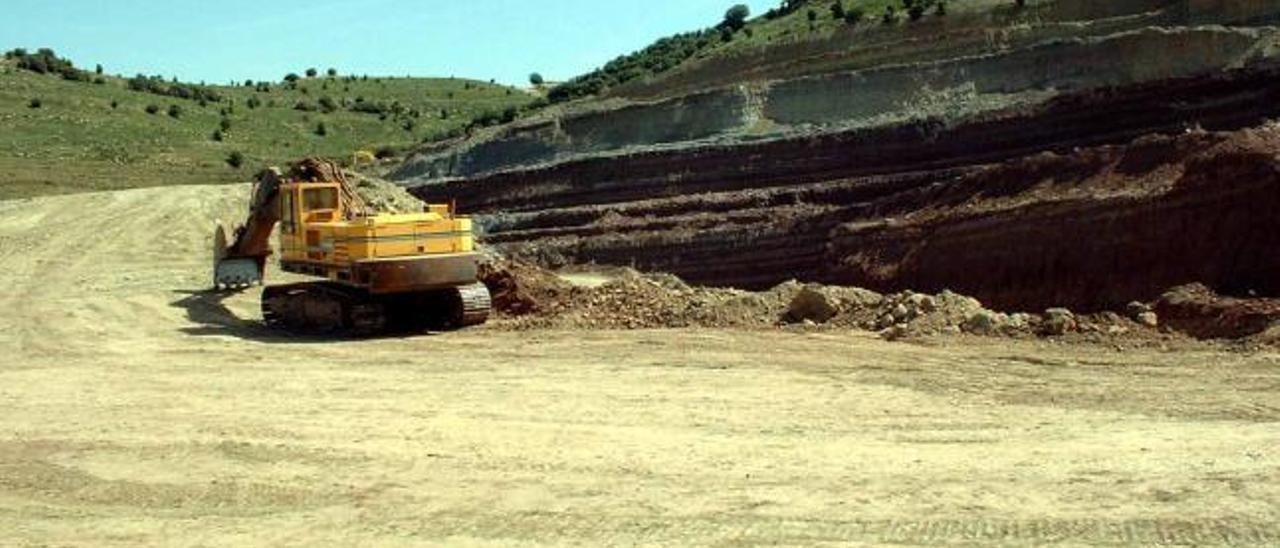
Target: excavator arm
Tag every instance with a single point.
(241, 261)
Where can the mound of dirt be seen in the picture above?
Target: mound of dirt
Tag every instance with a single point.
(1200, 312)
(529, 297)
(384, 196)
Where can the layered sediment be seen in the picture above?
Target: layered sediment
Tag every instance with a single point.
(1085, 172)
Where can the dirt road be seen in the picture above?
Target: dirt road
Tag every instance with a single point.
(135, 410)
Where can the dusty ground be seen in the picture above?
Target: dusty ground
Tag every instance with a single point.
(134, 410)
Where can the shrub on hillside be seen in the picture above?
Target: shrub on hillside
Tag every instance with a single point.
(175, 111)
(45, 61)
(327, 104)
(311, 73)
(152, 109)
(385, 152)
(854, 16)
(321, 129)
(736, 17)
(156, 85)
(235, 159)
(657, 58)
(915, 8)
(35, 102)
(368, 107)
(890, 16)
(217, 135)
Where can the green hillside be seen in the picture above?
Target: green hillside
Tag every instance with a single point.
(716, 54)
(83, 131)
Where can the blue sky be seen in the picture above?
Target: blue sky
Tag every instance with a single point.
(223, 40)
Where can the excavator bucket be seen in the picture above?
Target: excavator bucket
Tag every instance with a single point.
(232, 273)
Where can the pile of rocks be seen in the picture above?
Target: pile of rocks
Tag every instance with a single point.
(527, 296)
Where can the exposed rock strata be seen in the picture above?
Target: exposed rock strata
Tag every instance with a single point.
(1024, 210)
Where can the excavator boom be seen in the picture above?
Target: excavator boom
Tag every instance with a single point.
(242, 261)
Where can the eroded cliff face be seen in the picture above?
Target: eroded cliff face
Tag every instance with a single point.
(1085, 172)
(980, 70)
(1091, 201)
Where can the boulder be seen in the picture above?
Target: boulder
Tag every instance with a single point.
(984, 322)
(812, 305)
(1059, 321)
(1148, 319)
(1135, 309)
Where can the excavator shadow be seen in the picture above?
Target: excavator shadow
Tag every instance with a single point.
(209, 311)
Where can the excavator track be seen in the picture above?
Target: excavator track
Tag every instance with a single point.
(333, 309)
(322, 308)
(475, 305)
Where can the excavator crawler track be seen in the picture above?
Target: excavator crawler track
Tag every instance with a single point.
(322, 309)
(476, 304)
(333, 309)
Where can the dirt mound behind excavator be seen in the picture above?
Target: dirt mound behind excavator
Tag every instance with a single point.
(531, 297)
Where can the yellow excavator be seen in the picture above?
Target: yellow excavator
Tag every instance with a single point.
(381, 272)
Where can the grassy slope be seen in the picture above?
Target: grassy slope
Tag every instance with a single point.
(77, 142)
(780, 40)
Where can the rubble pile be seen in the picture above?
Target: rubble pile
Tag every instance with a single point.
(529, 297)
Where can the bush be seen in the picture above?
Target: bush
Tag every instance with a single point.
(115, 104)
(321, 130)
(327, 104)
(157, 86)
(736, 17)
(536, 79)
(940, 8)
(253, 103)
(98, 69)
(304, 106)
(224, 124)
(175, 111)
(854, 16)
(915, 8)
(45, 61)
(291, 77)
(368, 107)
(311, 73)
(890, 16)
(35, 102)
(235, 159)
(837, 10)
(332, 72)
(152, 109)
(217, 135)
(385, 152)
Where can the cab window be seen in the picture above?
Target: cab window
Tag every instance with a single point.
(320, 198)
(287, 213)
